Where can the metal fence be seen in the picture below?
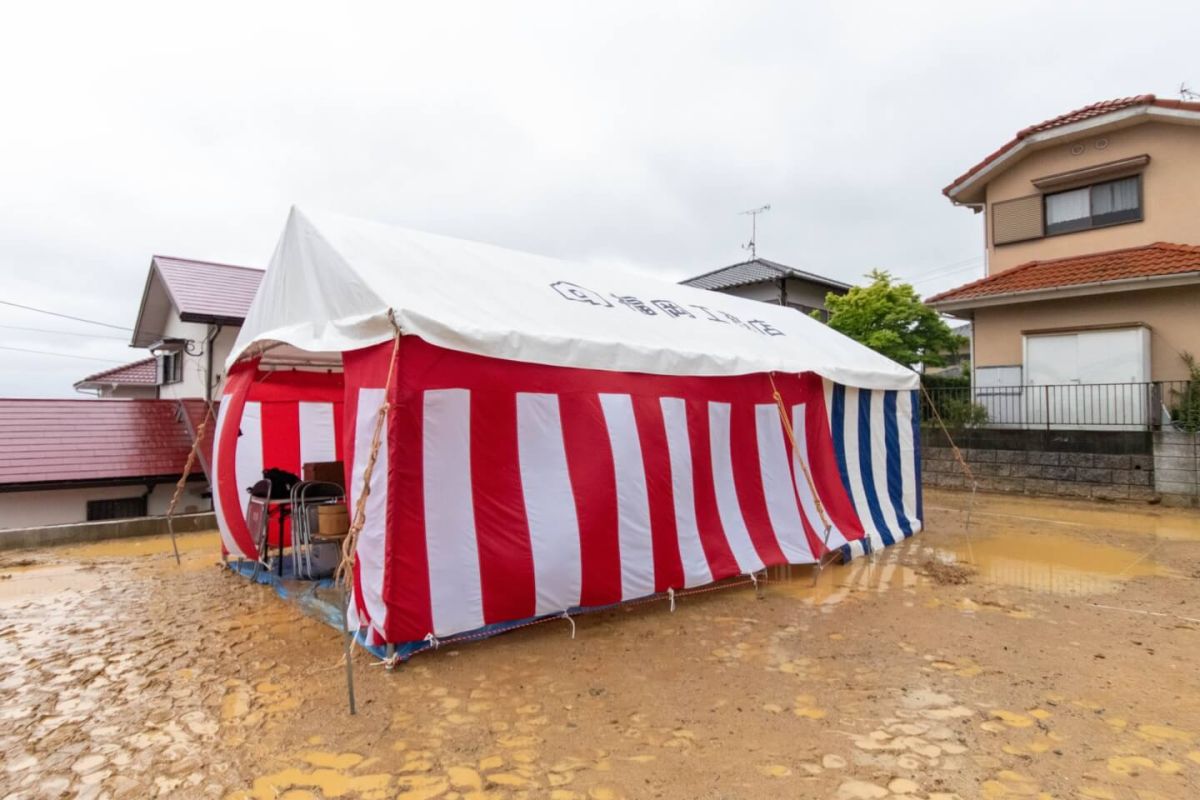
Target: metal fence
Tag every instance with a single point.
(1103, 406)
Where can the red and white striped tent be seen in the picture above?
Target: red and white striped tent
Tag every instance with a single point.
(558, 436)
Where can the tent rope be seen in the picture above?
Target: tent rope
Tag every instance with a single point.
(187, 471)
(812, 487)
(345, 570)
(962, 462)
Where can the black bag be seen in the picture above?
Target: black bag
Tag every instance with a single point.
(282, 482)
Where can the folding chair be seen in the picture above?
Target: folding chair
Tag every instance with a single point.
(314, 556)
(258, 519)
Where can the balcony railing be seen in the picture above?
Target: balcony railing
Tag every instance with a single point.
(1103, 406)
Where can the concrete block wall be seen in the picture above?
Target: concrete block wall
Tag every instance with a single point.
(1103, 465)
(1177, 467)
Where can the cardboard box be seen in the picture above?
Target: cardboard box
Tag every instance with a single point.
(328, 471)
(332, 520)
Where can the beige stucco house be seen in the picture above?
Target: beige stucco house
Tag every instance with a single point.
(1092, 235)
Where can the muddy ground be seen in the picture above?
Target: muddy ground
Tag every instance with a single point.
(1061, 663)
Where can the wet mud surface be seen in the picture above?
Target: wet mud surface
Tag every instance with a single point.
(1063, 664)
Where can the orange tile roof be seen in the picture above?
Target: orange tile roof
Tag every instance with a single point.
(1152, 260)
(1078, 115)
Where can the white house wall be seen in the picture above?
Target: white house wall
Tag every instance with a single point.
(195, 368)
(63, 506)
(805, 293)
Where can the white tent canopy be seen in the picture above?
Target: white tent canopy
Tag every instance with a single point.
(332, 281)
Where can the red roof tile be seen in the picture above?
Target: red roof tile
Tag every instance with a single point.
(203, 290)
(137, 373)
(52, 441)
(1152, 260)
(1078, 115)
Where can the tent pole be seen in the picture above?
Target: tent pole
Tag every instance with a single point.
(347, 651)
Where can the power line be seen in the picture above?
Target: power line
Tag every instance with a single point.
(64, 316)
(940, 275)
(935, 270)
(63, 333)
(60, 355)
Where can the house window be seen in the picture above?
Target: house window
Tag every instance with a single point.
(170, 368)
(119, 508)
(1108, 203)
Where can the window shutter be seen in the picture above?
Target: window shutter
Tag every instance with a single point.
(1017, 220)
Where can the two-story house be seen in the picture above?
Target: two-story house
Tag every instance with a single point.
(188, 319)
(1092, 229)
(121, 455)
(771, 282)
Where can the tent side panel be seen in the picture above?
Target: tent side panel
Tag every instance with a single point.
(269, 420)
(518, 490)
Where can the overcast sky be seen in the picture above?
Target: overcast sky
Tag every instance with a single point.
(622, 133)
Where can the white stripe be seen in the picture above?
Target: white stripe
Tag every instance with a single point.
(317, 433)
(728, 508)
(803, 490)
(248, 457)
(371, 552)
(549, 503)
(858, 492)
(222, 522)
(455, 592)
(633, 504)
(777, 486)
(908, 459)
(827, 386)
(879, 465)
(696, 571)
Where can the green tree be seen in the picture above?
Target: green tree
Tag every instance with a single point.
(890, 318)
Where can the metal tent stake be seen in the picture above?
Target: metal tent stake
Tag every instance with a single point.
(346, 647)
(174, 544)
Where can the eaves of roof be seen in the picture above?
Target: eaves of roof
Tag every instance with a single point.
(1096, 115)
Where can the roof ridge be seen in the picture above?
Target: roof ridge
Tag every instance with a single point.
(722, 269)
(1080, 114)
(206, 263)
(1112, 104)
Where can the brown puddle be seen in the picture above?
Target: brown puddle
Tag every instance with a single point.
(1030, 544)
(1052, 562)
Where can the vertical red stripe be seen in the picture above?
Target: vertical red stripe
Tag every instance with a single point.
(237, 386)
(281, 449)
(721, 562)
(594, 485)
(506, 574)
(406, 574)
(281, 435)
(822, 461)
(652, 436)
(747, 481)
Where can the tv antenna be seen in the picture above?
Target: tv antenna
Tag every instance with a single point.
(1186, 93)
(753, 214)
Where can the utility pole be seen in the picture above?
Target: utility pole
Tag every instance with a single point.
(753, 214)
